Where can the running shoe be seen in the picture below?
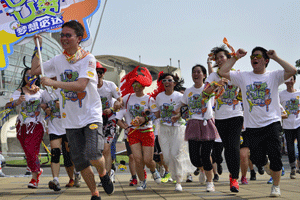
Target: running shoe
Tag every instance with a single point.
(275, 191)
(189, 178)
(54, 185)
(133, 182)
(112, 175)
(71, 183)
(156, 177)
(166, 177)
(219, 168)
(95, 198)
(261, 170)
(234, 185)
(107, 184)
(196, 172)
(270, 181)
(178, 187)
(216, 178)
(210, 187)
(282, 172)
(143, 185)
(293, 173)
(244, 180)
(77, 181)
(252, 175)
(33, 184)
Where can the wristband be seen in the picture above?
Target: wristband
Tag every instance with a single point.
(35, 52)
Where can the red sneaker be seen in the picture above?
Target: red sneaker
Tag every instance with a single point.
(133, 182)
(71, 183)
(145, 173)
(39, 174)
(244, 180)
(33, 184)
(234, 185)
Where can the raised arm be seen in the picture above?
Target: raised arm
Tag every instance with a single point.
(289, 70)
(76, 86)
(225, 69)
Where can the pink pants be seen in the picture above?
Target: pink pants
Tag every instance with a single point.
(30, 137)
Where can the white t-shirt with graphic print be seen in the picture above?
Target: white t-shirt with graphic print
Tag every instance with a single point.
(290, 103)
(136, 105)
(107, 91)
(78, 109)
(167, 104)
(54, 120)
(121, 114)
(260, 96)
(227, 106)
(198, 108)
(30, 109)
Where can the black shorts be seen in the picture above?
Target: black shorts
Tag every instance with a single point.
(157, 148)
(244, 143)
(55, 137)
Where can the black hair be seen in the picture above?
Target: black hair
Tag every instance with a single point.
(179, 81)
(264, 53)
(23, 73)
(202, 69)
(73, 24)
(216, 50)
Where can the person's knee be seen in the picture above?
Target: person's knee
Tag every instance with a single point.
(55, 155)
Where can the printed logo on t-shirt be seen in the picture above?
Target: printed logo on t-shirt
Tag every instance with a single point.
(70, 76)
(143, 102)
(31, 109)
(136, 110)
(166, 112)
(11, 99)
(258, 94)
(64, 115)
(105, 103)
(90, 74)
(292, 107)
(55, 113)
(228, 97)
(197, 105)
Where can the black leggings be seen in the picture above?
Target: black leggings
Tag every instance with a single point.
(200, 153)
(216, 154)
(290, 136)
(230, 132)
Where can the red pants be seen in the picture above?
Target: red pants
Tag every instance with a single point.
(30, 137)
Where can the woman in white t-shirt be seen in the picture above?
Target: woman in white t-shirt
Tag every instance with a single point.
(228, 115)
(30, 131)
(200, 130)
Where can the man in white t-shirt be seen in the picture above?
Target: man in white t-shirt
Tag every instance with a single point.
(289, 99)
(80, 104)
(261, 107)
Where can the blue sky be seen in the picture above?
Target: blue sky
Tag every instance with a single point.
(187, 30)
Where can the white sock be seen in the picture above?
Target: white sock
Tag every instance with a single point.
(56, 178)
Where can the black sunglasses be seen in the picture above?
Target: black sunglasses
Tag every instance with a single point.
(68, 35)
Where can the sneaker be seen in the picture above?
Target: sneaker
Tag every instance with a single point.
(100, 184)
(261, 170)
(156, 177)
(2, 174)
(33, 184)
(210, 187)
(270, 181)
(293, 173)
(112, 175)
(234, 185)
(275, 191)
(133, 182)
(282, 172)
(252, 175)
(202, 177)
(77, 181)
(27, 173)
(54, 185)
(166, 177)
(298, 171)
(70, 184)
(143, 185)
(267, 168)
(219, 169)
(178, 187)
(216, 178)
(244, 180)
(196, 172)
(189, 178)
(39, 175)
(107, 184)
(95, 198)
(162, 171)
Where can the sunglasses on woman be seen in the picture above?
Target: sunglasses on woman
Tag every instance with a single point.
(258, 56)
(168, 80)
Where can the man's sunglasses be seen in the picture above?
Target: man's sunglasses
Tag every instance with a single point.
(258, 56)
(100, 72)
(167, 80)
(67, 35)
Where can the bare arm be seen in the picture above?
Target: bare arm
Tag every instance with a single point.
(289, 70)
(225, 69)
(209, 65)
(76, 86)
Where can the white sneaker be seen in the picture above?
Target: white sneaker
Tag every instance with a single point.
(162, 171)
(275, 191)
(178, 187)
(202, 177)
(156, 177)
(143, 185)
(112, 175)
(189, 178)
(210, 187)
(267, 168)
(77, 181)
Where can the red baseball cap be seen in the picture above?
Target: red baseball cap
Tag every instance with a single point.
(99, 66)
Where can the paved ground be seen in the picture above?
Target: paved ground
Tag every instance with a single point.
(15, 188)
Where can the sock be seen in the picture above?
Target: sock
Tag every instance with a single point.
(134, 177)
(96, 193)
(56, 178)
